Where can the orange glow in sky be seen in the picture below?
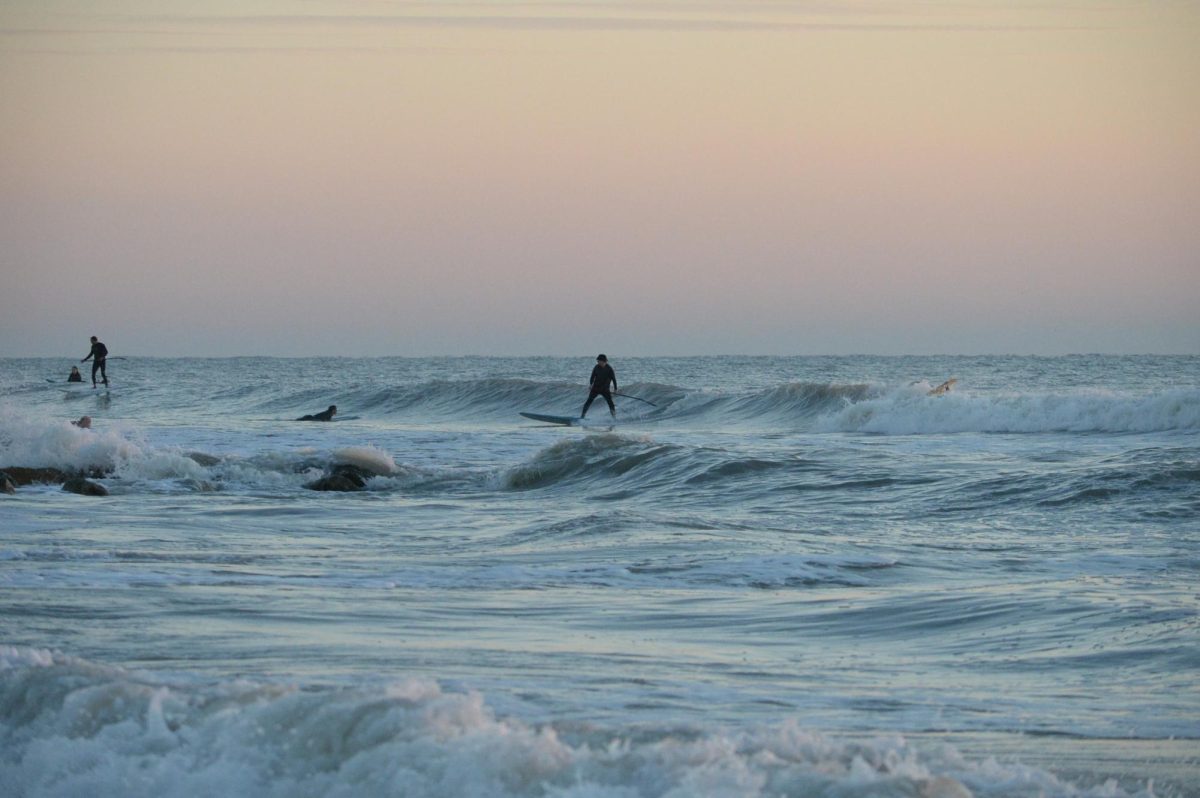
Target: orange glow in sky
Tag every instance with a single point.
(370, 178)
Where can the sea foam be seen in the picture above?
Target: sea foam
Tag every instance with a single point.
(45, 443)
(73, 727)
(906, 412)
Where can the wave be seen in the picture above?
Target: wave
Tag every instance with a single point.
(478, 398)
(802, 406)
(60, 444)
(604, 455)
(912, 412)
(502, 398)
(620, 464)
(816, 407)
(71, 726)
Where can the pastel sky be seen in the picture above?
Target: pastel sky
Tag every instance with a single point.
(373, 177)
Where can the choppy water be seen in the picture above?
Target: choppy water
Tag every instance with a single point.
(793, 577)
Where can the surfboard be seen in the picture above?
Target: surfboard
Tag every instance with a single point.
(944, 387)
(566, 421)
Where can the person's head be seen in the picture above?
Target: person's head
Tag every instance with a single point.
(84, 421)
(74, 369)
(95, 339)
(332, 410)
(601, 359)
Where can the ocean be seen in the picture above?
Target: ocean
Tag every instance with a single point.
(770, 576)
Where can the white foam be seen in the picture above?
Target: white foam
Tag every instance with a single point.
(912, 412)
(368, 458)
(70, 727)
(40, 442)
(45, 443)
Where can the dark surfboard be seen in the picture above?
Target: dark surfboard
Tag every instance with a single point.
(566, 421)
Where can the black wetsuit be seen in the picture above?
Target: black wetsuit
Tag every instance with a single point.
(98, 355)
(602, 376)
(324, 415)
(75, 376)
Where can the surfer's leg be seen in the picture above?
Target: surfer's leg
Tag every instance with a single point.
(95, 368)
(103, 373)
(612, 408)
(591, 397)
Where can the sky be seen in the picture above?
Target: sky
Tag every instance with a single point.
(375, 177)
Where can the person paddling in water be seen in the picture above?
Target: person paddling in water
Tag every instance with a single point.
(326, 415)
(603, 376)
(98, 355)
(74, 376)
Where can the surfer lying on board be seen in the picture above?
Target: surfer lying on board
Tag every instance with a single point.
(602, 377)
(98, 355)
(325, 415)
(75, 376)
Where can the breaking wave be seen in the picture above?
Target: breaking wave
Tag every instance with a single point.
(69, 726)
(805, 406)
(914, 413)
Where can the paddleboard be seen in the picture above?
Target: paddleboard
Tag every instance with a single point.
(566, 421)
(944, 387)
(82, 389)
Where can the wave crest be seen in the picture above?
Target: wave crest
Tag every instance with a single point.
(603, 454)
(913, 413)
(70, 726)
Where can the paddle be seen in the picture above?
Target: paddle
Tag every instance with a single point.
(640, 399)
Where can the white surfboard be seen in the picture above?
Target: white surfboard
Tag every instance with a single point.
(944, 387)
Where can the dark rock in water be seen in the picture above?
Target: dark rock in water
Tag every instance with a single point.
(6, 484)
(335, 482)
(30, 476)
(343, 477)
(355, 474)
(206, 460)
(84, 487)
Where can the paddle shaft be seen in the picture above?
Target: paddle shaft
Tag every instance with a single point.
(640, 399)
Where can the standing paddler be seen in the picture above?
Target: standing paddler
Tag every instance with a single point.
(603, 376)
(98, 356)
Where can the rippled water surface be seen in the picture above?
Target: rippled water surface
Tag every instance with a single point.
(769, 576)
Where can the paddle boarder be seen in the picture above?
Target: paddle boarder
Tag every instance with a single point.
(603, 376)
(98, 355)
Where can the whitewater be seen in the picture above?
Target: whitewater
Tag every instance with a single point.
(776, 576)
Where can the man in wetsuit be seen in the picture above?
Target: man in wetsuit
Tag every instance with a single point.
(98, 355)
(324, 415)
(602, 377)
